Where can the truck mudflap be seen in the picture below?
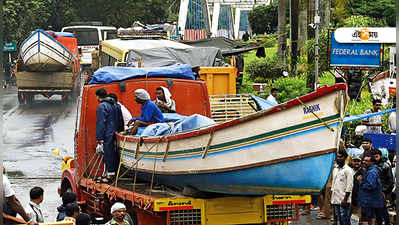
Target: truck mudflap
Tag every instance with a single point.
(232, 210)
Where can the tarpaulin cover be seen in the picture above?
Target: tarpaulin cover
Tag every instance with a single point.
(64, 34)
(262, 103)
(110, 74)
(349, 118)
(188, 123)
(226, 45)
(166, 56)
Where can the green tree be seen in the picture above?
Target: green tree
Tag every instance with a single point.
(263, 19)
(379, 9)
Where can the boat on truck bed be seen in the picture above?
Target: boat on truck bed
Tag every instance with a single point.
(287, 149)
(47, 79)
(153, 203)
(41, 51)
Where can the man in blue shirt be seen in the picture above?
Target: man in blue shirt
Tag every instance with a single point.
(370, 192)
(150, 113)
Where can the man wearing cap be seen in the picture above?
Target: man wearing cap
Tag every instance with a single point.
(119, 215)
(150, 113)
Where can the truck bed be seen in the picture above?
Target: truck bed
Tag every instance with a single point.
(45, 79)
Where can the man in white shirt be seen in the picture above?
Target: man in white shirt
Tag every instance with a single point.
(127, 116)
(12, 205)
(33, 208)
(272, 96)
(374, 123)
(341, 189)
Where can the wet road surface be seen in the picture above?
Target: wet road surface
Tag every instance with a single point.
(31, 133)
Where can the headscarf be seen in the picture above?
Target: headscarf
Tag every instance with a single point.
(142, 94)
(167, 96)
(117, 206)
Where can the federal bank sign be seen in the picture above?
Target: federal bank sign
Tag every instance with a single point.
(366, 35)
(354, 54)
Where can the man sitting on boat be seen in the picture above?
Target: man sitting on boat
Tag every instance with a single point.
(150, 113)
(164, 101)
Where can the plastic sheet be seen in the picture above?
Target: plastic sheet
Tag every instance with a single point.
(110, 74)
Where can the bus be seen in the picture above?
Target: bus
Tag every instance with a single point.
(89, 38)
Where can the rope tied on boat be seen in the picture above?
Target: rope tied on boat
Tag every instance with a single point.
(325, 124)
(155, 163)
(120, 161)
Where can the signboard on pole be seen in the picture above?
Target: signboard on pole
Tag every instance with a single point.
(366, 35)
(10, 47)
(357, 55)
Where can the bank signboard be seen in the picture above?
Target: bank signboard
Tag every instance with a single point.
(366, 35)
(354, 54)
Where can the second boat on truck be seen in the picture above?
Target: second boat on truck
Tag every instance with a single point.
(48, 65)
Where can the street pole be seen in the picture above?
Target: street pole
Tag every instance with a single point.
(316, 50)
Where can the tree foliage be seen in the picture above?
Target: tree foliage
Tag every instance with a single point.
(263, 19)
(23, 16)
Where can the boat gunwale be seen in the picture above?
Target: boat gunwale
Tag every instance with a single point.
(210, 129)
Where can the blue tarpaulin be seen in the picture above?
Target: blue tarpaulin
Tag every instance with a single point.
(110, 74)
(263, 103)
(187, 123)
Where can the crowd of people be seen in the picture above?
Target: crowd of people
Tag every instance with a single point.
(362, 184)
(69, 211)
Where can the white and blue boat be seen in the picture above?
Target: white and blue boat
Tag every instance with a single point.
(287, 149)
(42, 52)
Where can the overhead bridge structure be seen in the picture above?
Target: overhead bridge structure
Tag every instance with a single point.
(200, 19)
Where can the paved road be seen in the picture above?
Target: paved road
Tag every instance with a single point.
(31, 133)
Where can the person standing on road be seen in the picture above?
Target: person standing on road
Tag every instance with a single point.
(356, 164)
(119, 215)
(367, 146)
(387, 180)
(370, 192)
(374, 123)
(12, 206)
(83, 219)
(106, 126)
(342, 185)
(33, 208)
(72, 211)
(67, 197)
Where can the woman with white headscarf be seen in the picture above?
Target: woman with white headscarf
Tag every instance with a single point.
(164, 101)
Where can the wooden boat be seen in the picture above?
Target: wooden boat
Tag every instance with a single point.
(42, 52)
(383, 86)
(287, 149)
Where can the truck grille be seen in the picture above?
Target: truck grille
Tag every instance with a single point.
(284, 212)
(185, 217)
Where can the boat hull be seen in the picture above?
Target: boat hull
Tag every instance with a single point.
(41, 52)
(301, 176)
(244, 156)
